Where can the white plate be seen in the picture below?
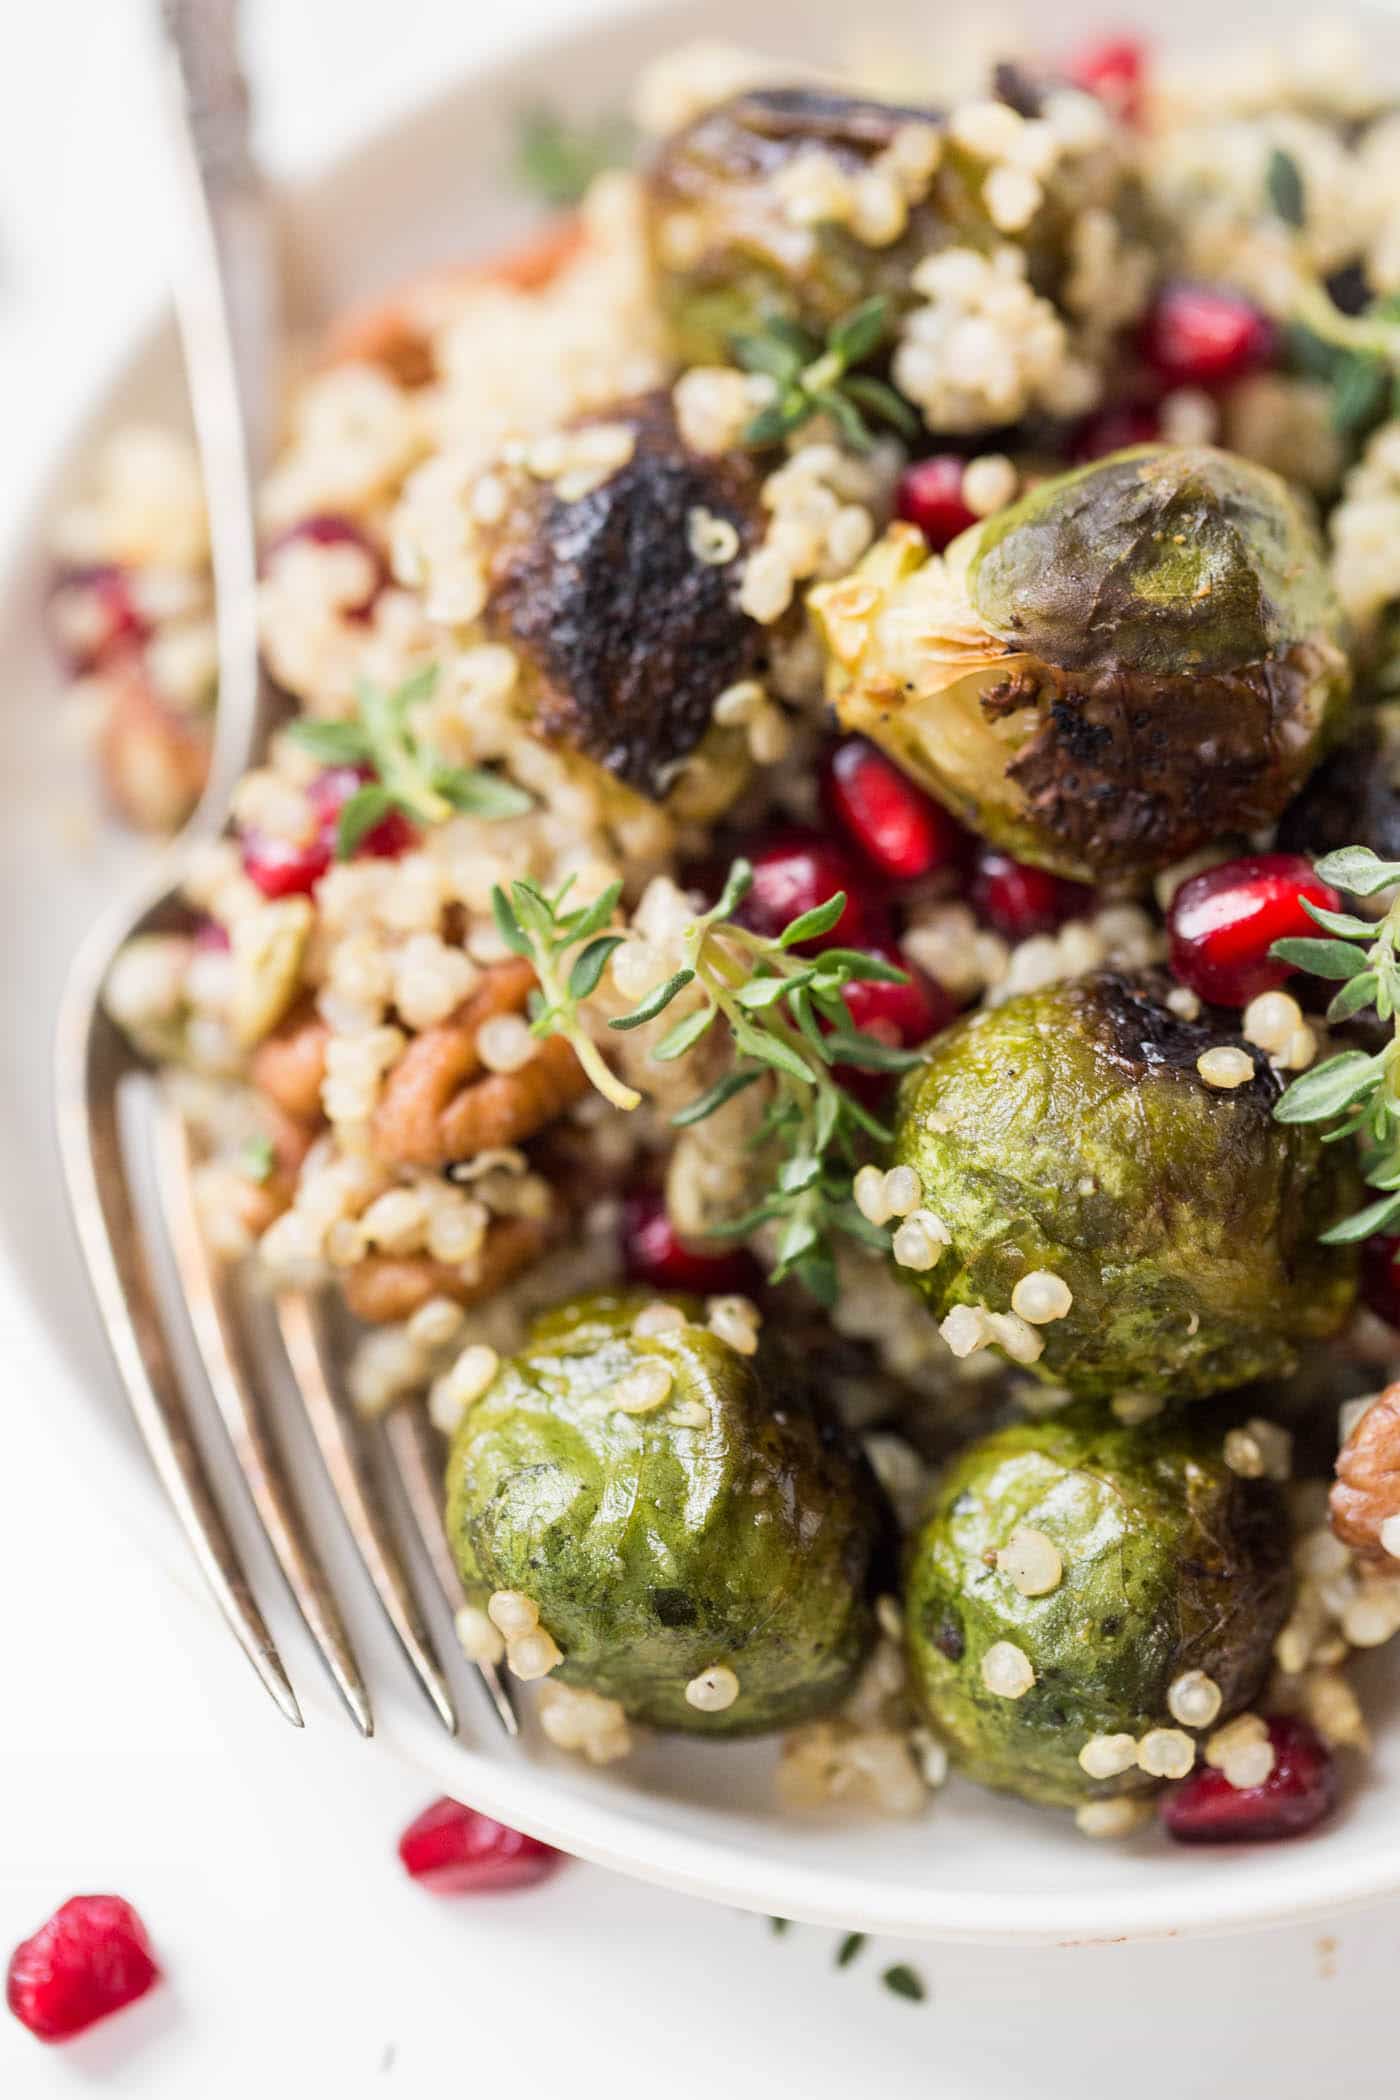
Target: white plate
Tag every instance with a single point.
(698, 1818)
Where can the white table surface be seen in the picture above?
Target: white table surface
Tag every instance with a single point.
(135, 1753)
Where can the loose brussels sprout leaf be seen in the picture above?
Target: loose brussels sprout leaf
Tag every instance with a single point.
(1069, 1130)
(626, 634)
(733, 1524)
(1170, 1563)
(1136, 658)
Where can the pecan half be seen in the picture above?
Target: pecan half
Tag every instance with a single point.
(290, 1064)
(1367, 1488)
(440, 1104)
(386, 1287)
(152, 759)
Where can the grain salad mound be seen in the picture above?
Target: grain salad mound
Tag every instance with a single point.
(837, 728)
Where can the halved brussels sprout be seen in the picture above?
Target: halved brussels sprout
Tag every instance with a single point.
(621, 602)
(731, 1525)
(1135, 658)
(1070, 1131)
(1169, 1563)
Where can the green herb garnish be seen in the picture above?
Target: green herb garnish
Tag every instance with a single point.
(904, 1982)
(556, 160)
(1283, 183)
(849, 1948)
(813, 378)
(1362, 1090)
(538, 928)
(1356, 355)
(409, 775)
(256, 1158)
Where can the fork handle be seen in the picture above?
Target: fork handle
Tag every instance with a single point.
(226, 299)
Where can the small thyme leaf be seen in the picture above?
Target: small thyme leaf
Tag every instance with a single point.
(904, 1982)
(810, 925)
(655, 1002)
(367, 807)
(849, 1948)
(778, 1926)
(1358, 870)
(818, 379)
(334, 743)
(507, 925)
(1353, 997)
(1374, 1218)
(684, 1035)
(476, 793)
(1284, 184)
(1326, 1089)
(590, 963)
(714, 1097)
(1341, 923)
(534, 926)
(1336, 959)
(556, 160)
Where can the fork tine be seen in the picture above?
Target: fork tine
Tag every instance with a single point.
(223, 1350)
(338, 1439)
(409, 1438)
(114, 1251)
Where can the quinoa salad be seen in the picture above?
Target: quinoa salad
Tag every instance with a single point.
(812, 960)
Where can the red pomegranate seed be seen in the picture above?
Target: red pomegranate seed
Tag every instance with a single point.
(456, 1851)
(292, 868)
(1200, 335)
(899, 1014)
(1113, 430)
(328, 529)
(1223, 922)
(798, 872)
(654, 1253)
(89, 1959)
(331, 790)
(1380, 1278)
(1205, 1809)
(930, 496)
(1017, 900)
(899, 828)
(1114, 70)
(93, 615)
(283, 867)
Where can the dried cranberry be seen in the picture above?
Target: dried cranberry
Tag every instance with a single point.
(1017, 900)
(930, 496)
(456, 1851)
(899, 828)
(1113, 69)
(1205, 1809)
(654, 1253)
(93, 615)
(89, 1959)
(798, 872)
(1201, 335)
(1113, 430)
(329, 529)
(1380, 1277)
(1223, 922)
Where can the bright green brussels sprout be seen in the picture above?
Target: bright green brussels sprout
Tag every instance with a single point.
(1168, 1562)
(1134, 659)
(1070, 1131)
(731, 1524)
(732, 252)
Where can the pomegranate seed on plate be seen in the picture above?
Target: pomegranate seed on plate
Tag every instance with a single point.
(1201, 335)
(930, 496)
(456, 1851)
(89, 1959)
(1380, 1277)
(798, 872)
(329, 529)
(93, 614)
(1223, 922)
(1113, 430)
(893, 822)
(1204, 1809)
(1113, 69)
(1017, 900)
(285, 867)
(654, 1253)
(293, 867)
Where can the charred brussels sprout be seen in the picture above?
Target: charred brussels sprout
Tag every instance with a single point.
(622, 601)
(730, 1524)
(1134, 659)
(734, 250)
(1070, 1131)
(1168, 1563)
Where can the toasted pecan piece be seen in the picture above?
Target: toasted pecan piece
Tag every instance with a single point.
(1367, 1488)
(440, 1104)
(152, 759)
(396, 330)
(386, 1287)
(290, 1064)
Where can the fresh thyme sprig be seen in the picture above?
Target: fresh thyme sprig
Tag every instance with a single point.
(538, 928)
(556, 160)
(1361, 1089)
(815, 378)
(1356, 355)
(408, 774)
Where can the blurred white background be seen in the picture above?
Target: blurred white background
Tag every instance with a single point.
(135, 1753)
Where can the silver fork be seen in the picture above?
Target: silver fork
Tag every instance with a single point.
(226, 298)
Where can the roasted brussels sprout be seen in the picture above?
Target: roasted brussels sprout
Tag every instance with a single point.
(1135, 658)
(1071, 1132)
(729, 1526)
(733, 251)
(623, 600)
(1160, 1561)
